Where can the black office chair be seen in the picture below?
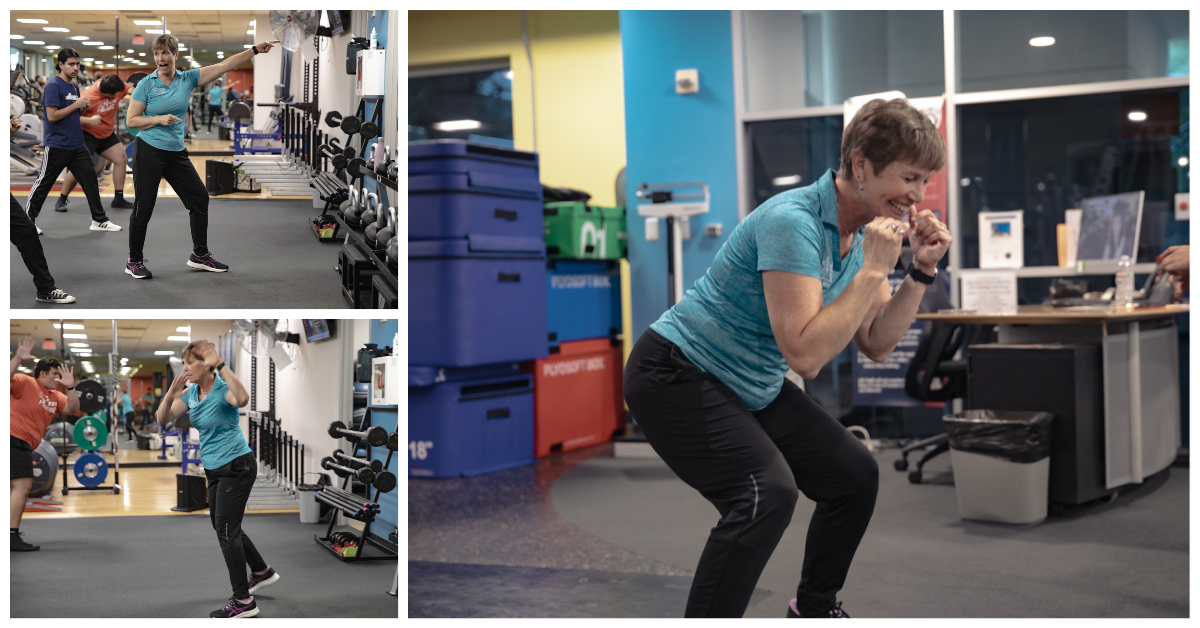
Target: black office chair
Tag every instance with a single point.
(934, 364)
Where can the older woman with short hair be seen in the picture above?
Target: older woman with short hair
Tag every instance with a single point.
(158, 107)
(798, 279)
(212, 399)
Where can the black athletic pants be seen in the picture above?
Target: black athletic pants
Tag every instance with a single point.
(23, 234)
(214, 111)
(79, 162)
(752, 465)
(150, 167)
(228, 491)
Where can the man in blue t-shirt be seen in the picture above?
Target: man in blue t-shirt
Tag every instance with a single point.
(63, 145)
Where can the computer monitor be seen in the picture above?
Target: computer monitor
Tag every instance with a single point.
(317, 329)
(1109, 227)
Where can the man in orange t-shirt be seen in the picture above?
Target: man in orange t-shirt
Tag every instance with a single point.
(33, 402)
(99, 122)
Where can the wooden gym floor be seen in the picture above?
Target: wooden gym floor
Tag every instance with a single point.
(106, 181)
(145, 491)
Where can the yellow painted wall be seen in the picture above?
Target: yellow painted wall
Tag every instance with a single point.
(579, 95)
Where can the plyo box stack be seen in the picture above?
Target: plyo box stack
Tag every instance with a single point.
(477, 306)
(577, 388)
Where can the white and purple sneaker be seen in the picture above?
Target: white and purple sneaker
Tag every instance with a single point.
(137, 268)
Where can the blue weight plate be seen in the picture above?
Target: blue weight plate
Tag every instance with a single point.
(91, 470)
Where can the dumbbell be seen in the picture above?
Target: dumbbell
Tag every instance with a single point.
(369, 130)
(364, 475)
(385, 481)
(375, 435)
(374, 465)
(353, 509)
(349, 124)
(393, 438)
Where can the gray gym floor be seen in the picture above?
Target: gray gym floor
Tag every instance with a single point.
(171, 566)
(588, 535)
(274, 259)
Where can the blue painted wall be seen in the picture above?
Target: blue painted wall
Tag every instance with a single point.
(672, 138)
(382, 334)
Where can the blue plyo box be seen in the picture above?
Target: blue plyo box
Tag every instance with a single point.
(583, 300)
(465, 422)
(476, 300)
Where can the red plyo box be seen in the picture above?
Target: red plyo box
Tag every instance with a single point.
(575, 396)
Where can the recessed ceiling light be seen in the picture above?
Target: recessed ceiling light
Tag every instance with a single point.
(147, 22)
(164, 353)
(1183, 161)
(156, 32)
(1041, 42)
(80, 37)
(1137, 116)
(56, 29)
(106, 47)
(33, 21)
(33, 43)
(93, 43)
(16, 37)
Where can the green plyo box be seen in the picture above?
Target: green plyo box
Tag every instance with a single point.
(576, 230)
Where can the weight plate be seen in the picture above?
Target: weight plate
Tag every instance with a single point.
(91, 395)
(45, 469)
(91, 433)
(91, 470)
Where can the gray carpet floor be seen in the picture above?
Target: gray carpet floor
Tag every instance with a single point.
(587, 534)
(274, 259)
(93, 567)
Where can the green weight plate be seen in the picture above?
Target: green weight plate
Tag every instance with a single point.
(90, 433)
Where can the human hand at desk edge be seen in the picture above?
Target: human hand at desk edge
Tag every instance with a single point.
(1174, 260)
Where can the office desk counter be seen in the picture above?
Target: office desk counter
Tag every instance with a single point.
(1140, 351)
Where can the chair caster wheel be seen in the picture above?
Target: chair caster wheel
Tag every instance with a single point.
(914, 477)
(900, 464)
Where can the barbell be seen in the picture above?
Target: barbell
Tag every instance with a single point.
(91, 395)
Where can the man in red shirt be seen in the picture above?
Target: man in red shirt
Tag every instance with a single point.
(99, 134)
(33, 402)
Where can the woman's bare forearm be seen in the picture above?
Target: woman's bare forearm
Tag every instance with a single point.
(828, 333)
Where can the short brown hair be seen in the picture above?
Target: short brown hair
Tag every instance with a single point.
(168, 42)
(191, 346)
(111, 84)
(892, 130)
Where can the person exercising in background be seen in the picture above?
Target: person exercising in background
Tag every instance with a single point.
(99, 135)
(33, 402)
(213, 398)
(215, 96)
(63, 143)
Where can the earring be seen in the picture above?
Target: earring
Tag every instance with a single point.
(860, 186)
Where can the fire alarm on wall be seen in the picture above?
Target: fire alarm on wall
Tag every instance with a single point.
(687, 81)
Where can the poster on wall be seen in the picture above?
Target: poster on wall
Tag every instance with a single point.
(934, 107)
(882, 383)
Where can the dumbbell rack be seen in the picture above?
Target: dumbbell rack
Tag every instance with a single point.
(358, 236)
(364, 539)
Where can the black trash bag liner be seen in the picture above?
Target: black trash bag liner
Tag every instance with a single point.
(1004, 434)
(555, 195)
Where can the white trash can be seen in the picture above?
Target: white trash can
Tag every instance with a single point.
(1001, 462)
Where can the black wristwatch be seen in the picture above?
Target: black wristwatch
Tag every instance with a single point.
(70, 388)
(920, 276)
(255, 49)
(219, 367)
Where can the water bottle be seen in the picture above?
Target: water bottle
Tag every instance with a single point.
(1124, 296)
